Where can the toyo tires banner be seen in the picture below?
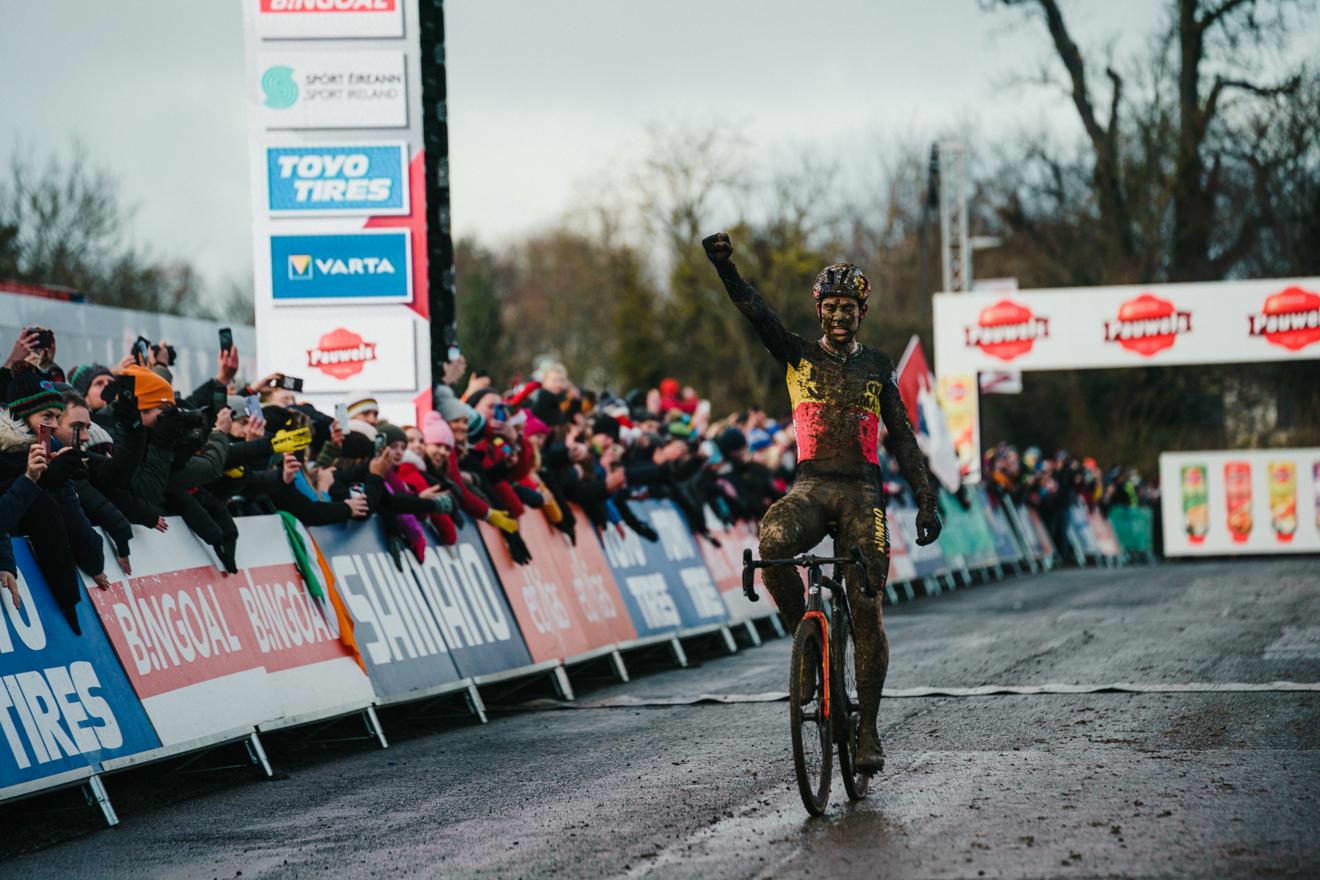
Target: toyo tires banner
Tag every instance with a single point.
(65, 703)
(665, 583)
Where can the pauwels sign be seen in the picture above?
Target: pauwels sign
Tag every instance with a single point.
(337, 176)
(1109, 327)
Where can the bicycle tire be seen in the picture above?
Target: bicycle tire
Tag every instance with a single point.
(813, 742)
(846, 713)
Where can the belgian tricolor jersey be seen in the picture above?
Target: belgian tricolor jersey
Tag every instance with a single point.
(839, 402)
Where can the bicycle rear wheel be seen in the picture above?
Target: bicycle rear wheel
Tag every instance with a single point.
(813, 743)
(846, 712)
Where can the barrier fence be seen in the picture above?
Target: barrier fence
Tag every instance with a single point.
(328, 622)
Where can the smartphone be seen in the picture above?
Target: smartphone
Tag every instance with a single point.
(379, 443)
(253, 406)
(341, 416)
(43, 436)
(454, 352)
(501, 412)
(77, 437)
(226, 340)
(45, 338)
(141, 351)
(290, 383)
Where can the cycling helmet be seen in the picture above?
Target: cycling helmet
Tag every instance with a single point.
(842, 279)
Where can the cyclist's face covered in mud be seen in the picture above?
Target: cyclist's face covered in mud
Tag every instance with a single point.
(840, 317)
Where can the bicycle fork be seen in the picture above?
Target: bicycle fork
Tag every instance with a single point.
(815, 610)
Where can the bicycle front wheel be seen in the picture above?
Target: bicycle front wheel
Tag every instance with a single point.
(846, 715)
(813, 742)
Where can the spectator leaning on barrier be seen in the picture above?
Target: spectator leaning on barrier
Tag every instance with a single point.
(76, 430)
(53, 520)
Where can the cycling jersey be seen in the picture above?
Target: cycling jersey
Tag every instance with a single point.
(839, 401)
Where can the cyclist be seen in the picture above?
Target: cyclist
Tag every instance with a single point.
(840, 391)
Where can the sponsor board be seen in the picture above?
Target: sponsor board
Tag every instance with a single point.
(65, 703)
(725, 566)
(1148, 325)
(465, 597)
(1247, 501)
(565, 600)
(345, 350)
(324, 180)
(1104, 327)
(372, 266)
(181, 630)
(328, 19)
(665, 583)
(331, 90)
(402, 643)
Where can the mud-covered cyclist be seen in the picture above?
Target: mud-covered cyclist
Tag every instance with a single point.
(840, 392)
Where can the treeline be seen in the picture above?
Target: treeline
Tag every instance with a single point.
(1188, 167)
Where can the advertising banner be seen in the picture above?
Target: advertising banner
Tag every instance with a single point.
(1250, 501)
(665, 583)
(725, 566)
(337, 351)
(352, 267)
(461, 589)
(926, 561)
(1001, 530)
(1137, 325)
(1079, 526)
(65, 703)
(901, 566)
(565, 600)
(332, 90)
(962, 408)
(295, 633)
(181, 630)
(326, 180)
(402, 643)
(340, 19)
(337, 178)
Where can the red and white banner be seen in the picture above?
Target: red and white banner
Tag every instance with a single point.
(1138, 325)
(208, 653)
(566, 600)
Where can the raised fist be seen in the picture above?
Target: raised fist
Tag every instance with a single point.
(719, 248)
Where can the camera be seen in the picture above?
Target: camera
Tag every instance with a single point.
(45, 338)
(289, 383)
(167, 350)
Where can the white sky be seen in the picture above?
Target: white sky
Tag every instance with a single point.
(543, 95)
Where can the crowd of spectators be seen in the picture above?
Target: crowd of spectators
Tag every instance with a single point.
(112, 446)
(1052, 484)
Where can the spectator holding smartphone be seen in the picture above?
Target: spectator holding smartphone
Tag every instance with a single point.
(54, 522)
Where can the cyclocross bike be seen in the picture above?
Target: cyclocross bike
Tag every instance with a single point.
(822, 681)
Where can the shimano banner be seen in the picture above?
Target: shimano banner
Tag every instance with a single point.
(402, 644)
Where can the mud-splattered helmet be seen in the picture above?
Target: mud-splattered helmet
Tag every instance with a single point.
(842, 279)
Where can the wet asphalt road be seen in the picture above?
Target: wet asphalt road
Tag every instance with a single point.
(1097, 785)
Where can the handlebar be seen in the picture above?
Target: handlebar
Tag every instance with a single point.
(806, 561)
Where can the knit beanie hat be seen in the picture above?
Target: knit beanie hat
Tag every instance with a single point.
(358, 407)
(548, 407)
(151, 390)
(393, 433)
(357, 446)
(479, 394)
(366, 429)
(29, 393)
(449, 406)
(607, 425)
(83, 376)
(436, 430)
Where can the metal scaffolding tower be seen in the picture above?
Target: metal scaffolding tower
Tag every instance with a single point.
(955, 247)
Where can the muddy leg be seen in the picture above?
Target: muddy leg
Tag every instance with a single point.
(864, 524)
(792, 525)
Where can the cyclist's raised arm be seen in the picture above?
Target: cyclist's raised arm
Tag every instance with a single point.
(777, 340)
(906, 450)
